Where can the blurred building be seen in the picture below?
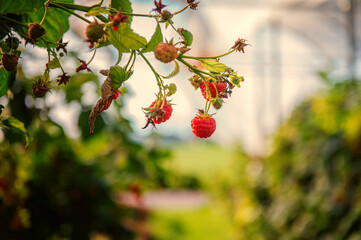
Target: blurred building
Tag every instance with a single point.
(291, 40)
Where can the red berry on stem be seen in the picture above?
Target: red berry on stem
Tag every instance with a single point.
(212, 89)
(203, 126)
(165, 52)
(162, 114)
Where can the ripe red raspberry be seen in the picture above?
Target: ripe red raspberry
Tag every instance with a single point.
(212, 89)
(203, 126)
(162, 115)
(165, 52)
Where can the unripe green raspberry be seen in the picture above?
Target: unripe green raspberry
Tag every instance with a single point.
(94, 31)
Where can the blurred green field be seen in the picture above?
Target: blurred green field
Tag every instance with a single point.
(208, 223)
(207, 161)
(210, 164)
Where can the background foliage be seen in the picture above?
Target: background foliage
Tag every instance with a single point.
(59, 187)
(309, 186)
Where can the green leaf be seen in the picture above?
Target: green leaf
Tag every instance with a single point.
(155, 40)
(118, 75)
(3, 30)
(15, 126)
(174, 72)
(124, 39)
(125, 5)
(54, 63)
(56, 21)
(97, 11)
(213, 66)
(4, 82)
(20, 6)
(188, 37)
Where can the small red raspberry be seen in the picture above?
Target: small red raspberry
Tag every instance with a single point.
(9, 62)
(162, 114)
(117, 19)
(165, 52)
(212, 89)
(203, 126)
(116, 94)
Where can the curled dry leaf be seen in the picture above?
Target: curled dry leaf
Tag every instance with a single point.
(106, 87)
(102, 104)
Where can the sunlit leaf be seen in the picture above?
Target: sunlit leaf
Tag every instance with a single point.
(125, 40)
(213, 66)
(155, 40)
(14, 125)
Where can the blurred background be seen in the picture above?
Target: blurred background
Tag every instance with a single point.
(284, 162)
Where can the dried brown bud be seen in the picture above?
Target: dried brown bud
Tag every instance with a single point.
(35, 31)
(63, 79)
(239, 45)
(166, 15)
(40, 89)
(9, 62)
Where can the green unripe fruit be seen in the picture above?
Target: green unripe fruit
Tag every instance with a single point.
(94, 31)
